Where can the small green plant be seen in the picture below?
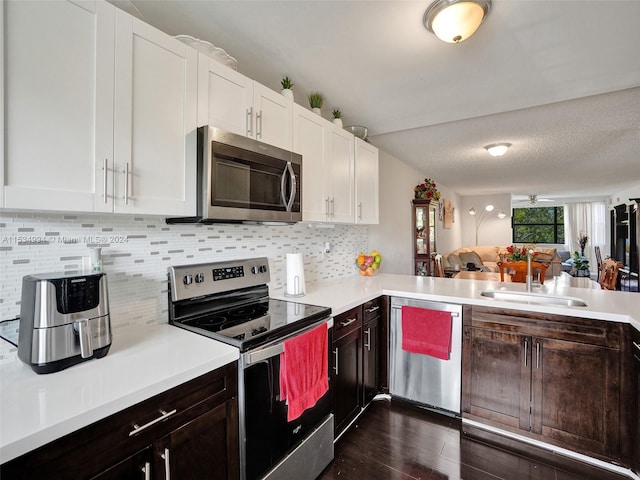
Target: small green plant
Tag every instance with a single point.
(316, 100)
(286, 83)
(580, 262)
(337, 113)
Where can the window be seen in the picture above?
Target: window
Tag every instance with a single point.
(538, 225)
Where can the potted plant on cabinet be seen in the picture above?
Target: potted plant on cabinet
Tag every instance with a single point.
(337, 117)
(287, 84)
(316, 100)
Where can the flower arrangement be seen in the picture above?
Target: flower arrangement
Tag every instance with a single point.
(426, 190)
(517, 254)
(582, 241)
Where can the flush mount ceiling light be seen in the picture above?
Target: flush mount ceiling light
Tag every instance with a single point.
(497, 149)
(453, 21)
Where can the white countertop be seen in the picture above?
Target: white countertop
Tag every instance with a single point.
(143, 361)
(149, 359)
(346, 293)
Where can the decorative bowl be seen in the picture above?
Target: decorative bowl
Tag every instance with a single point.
(358, 130)
(368, 264)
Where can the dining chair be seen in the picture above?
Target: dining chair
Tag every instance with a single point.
(439, 269)
(519, 270)
(608, 275)
(598, 257)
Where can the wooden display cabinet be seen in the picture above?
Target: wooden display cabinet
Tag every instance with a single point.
(424, 214)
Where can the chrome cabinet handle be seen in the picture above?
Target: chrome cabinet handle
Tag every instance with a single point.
(360, 210)
(126, 184)
(348, 321)
(537, 355)
(147, 471)
(326, 207)
(105, 170)
(249, 121)
(335, 367)
(372, 309)
(636, 345)
(259, 124)
(333, 205)
(167, 464)
(526, 346)
(368, 342)
(137, 429)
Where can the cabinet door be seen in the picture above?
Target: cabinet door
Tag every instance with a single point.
(635, 414)
(155, 121)
(138, 466)
(339, 175)
(370, 359)
(58, 74)
(497, 384)
(225, 98)
(572, 396)
(347, 368)
(197, 449)
(273, 117)
(309, 140)
(367, 189)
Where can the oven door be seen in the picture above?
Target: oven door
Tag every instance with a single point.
(246, 180)
(272, 447)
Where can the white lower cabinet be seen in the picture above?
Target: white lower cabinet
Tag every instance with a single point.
(101, 111)
(230, 101)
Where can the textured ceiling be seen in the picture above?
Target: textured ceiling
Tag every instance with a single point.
(556, 78)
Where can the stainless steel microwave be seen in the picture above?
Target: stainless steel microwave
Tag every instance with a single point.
(243, 180)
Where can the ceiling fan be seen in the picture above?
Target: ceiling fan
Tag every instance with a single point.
(530, 200)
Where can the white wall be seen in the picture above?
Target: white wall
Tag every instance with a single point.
(492, 230)
(393, 236)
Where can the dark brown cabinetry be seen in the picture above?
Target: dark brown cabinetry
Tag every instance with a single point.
(635, 394)
(347, 367)
(424, 214)
(190, 431)
(550, 377)
(371, 327)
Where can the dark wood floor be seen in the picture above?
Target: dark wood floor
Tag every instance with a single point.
(392, 440)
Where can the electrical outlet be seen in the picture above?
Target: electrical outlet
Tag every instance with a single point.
(327, 247)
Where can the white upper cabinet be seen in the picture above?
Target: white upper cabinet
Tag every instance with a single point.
(155, 121)
(310, 140)
(101, 111)
(341, 174)
(230, 101)
(367, 183)
(59, 74)
(327, 168)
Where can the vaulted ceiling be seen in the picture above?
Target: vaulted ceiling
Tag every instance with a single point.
(558, 79)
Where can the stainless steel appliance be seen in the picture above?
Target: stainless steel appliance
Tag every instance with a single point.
(243, 180)
(432, 382)
(229, 302)
(64, 320)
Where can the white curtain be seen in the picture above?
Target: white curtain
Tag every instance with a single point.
(589, 219)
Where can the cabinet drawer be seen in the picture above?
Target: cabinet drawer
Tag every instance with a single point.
(92, 449)
(347, 322)
(372, 309)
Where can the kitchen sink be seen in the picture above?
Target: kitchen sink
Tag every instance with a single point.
(537, 298)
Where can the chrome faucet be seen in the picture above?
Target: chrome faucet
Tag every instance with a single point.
(529, 278)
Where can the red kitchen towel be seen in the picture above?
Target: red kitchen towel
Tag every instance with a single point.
(426, 331)
(304, 370)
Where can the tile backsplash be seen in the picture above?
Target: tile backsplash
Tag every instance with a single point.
(136, 251)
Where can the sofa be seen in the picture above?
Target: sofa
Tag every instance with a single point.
(486, 257)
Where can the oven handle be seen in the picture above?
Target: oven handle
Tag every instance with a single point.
(261, 354)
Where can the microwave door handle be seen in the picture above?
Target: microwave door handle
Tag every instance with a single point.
(294, 186)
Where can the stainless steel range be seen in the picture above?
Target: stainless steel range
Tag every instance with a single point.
(229, 302)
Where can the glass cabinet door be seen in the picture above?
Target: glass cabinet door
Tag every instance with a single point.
(424, 236)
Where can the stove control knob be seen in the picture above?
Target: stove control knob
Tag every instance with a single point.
(255, 270)
(199, 277)
(187, 279)
(262, 268)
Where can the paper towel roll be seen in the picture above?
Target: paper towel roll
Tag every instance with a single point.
(295, 274)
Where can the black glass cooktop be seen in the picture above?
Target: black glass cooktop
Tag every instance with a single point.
(255, 323)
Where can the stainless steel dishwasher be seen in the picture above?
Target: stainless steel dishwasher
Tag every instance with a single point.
(429, 381)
